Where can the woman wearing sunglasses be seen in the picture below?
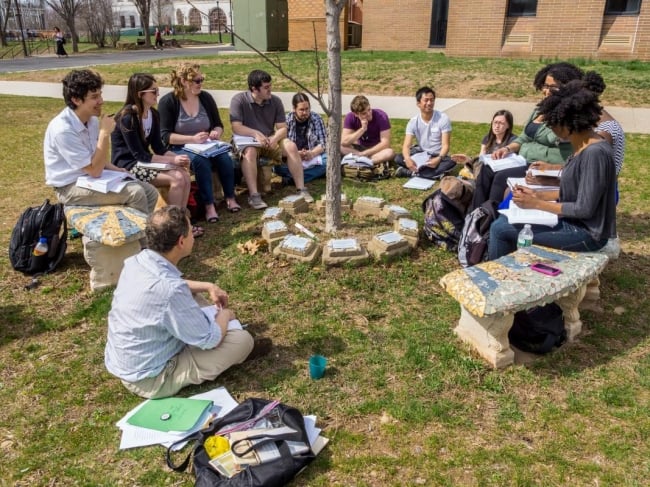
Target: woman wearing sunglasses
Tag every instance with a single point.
(137, 134)
(189, 115)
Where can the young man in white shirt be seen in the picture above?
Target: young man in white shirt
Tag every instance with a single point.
(427, 134)
(77, 143)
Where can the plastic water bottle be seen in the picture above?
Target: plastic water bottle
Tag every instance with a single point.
(41, 247)
(525, 238)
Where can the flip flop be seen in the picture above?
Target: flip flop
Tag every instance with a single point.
(212, 219)
(234, 208)
(197, 231)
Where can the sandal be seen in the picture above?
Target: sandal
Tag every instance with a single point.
(234, 207)
(213, 219)
(197, 231)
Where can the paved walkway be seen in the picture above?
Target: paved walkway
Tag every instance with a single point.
(633, 120)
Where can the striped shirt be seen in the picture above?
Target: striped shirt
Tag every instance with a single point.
(613, 128)
(152, 318)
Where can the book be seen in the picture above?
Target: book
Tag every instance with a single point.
(242, 141)
(512, 182)
(316, 161)
(508, 162)
(108, 181)
(418, 183)
(357, 161)
(170, 414)
(545, 173)
(209, 148)
(535, 217)
(421, 159)
(157, 166)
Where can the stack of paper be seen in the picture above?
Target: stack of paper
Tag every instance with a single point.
(512, 160)
(136, 435)
(536, 217)
(418, 183)
(242, 141)
(357, 161)
(113, 181)
(209, 148)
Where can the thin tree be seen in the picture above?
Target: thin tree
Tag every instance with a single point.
(68, 11)
(332, 108)
(144, 10)
(5, 6)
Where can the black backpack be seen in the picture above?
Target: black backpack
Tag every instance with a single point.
(476, 233)
(539, 329)
(443, 220)
(39, 221)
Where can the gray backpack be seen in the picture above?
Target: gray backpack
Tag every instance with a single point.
(472, 246)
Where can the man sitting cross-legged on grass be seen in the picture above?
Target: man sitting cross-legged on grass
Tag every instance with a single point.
(431, 129)
(159, 338)
(366, 132)
(77, 143)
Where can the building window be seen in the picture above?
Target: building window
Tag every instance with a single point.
(622, 7)
(522, 8)
(122, 21)
(132, 20)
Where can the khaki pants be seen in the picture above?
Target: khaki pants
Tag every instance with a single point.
(137, 194)
(195, 366)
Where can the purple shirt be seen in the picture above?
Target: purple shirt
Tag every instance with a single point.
(376, 126)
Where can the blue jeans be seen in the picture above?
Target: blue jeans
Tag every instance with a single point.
(203, 167)
(311, 173)
(563, 236)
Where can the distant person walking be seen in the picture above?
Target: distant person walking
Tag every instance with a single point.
(159, 40)
(59, 38)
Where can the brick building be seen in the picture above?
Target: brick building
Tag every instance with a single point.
(596, 29)
(308, 16)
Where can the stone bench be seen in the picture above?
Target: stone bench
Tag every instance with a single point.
(490, 293)
(110, 235)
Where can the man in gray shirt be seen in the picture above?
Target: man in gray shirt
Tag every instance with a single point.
(259, 114)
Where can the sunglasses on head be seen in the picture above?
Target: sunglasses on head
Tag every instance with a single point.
(198, 81)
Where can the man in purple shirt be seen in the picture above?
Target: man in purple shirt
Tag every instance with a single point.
(366, 132)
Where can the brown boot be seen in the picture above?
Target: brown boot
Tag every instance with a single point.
(261, 347)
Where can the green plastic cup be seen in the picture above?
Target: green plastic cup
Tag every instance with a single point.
(317, 364)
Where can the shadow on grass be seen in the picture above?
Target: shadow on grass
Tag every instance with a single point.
(622, 323)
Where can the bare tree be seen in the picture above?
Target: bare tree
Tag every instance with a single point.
(332, 108)
(100, 21)
(144, 9)
(68, 11)
(5, 9)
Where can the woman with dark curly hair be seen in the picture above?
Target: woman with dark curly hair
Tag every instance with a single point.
(537, 142)
(586, 200)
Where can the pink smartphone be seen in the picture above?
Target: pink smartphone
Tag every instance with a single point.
(545, 269)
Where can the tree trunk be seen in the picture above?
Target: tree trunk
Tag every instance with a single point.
(333, 10)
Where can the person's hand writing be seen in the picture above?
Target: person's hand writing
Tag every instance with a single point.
(200, 137)
(500, 153)
(218, 296)
(524, 197)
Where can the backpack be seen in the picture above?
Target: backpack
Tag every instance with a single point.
(39, 221)
(272, 473)
(443, 220)
(476, 233)
(539, 329)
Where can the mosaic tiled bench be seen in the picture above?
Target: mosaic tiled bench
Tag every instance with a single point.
(491, 293)
(110, 235)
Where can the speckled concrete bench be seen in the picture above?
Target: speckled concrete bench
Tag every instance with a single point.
(491, 293)
(110, 235)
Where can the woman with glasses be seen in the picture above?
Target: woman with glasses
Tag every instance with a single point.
(537, 142)
(500, 133)
(189, 115)
(137, 134)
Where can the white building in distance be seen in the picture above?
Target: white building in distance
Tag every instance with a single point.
(206, 15)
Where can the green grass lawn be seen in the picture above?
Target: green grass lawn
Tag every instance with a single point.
(403, 402)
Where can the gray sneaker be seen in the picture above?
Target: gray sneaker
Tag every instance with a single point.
(304, 192)
(255, 201)
(402, 172)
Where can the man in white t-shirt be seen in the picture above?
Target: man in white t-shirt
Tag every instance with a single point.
(425, 151)
(77, 143)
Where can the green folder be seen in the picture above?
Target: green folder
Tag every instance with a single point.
(170, 414)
